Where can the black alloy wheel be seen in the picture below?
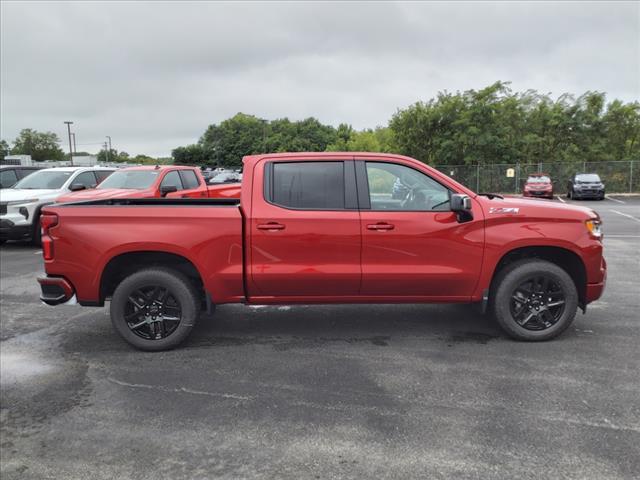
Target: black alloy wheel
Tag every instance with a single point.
(538, 303)
(153, 312)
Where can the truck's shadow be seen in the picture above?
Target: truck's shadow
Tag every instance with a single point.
(313, 326)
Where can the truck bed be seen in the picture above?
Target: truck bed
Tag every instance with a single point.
(91, 234)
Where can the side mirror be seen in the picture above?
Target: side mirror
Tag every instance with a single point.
(165, 189)
(461, 205)
(75, 187)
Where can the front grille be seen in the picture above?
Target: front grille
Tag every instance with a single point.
(3, 208)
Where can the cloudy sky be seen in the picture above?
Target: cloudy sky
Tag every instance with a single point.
(154, 75)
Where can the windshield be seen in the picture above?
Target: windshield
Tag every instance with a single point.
(132, 179)
(539, 179)
(588, 177)
(45, 179)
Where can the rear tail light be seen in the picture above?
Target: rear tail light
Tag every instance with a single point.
(47, 221)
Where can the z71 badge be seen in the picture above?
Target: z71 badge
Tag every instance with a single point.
(504, 210)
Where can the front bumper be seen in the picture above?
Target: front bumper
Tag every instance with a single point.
(55, 290)
(11, 231)
(538, 193)
(595, 290)
(588, 193)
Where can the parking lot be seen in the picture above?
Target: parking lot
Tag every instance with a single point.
(387, 391)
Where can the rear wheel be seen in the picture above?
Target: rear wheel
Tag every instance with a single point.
(534, 300)
(155, 309)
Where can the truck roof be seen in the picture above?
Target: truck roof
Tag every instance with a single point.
(159, 167)
(75, 169)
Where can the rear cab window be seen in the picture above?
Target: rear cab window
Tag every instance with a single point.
(306, 185)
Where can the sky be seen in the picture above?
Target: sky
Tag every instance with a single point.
(154, 75)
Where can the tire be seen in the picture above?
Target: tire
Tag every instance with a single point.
(569, 194)
(181, 292)
(2, 242)
(36, 236)
(507, 286)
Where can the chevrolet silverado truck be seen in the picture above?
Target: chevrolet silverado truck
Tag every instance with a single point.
(147, 181)
(322, 228)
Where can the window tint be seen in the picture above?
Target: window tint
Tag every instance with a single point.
(23, 172)
(102, 174)
(189, 179)
(8, 178)
(397, 187)
(88, 179)
(309, 185)
(172, 179)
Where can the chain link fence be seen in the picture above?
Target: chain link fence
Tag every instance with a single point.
(618, 176)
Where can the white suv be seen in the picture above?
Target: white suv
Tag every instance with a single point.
(20, 205)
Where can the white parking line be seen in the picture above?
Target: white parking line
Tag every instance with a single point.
(626, 215)
(39, 252)
(614, 199)
(560, 198)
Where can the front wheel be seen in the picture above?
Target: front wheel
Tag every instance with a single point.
(155, 309)
(534, 300)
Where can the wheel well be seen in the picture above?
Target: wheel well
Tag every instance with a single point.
(122, 266)
(565, 259)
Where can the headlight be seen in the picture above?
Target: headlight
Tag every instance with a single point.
(22, 202)
(595, 228)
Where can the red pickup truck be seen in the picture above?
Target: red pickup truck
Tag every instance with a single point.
(171, 181)
(324, 228)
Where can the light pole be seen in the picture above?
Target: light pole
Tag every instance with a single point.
(106, 150)
(75, 149)
(109, 146)
(69, 132)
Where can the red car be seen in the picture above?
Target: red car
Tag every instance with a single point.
(324, 228)
(171, 181)
(538, 185)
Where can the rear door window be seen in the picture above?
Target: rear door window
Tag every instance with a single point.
(308, 185)
(189, 179)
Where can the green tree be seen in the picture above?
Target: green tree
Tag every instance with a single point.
(226, 143)
(194, 154)
(40, 145)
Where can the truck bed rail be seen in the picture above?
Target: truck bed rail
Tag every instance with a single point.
(210, 202)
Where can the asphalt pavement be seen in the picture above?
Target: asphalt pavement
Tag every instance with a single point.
(387, 391)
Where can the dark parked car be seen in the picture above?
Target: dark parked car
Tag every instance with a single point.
(10, 174)
(585, 185)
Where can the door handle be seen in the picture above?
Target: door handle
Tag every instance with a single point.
(380, 226)
(270, 226)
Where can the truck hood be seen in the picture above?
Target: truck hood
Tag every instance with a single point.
(104, 193)
(16, 194)
(533, 208)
